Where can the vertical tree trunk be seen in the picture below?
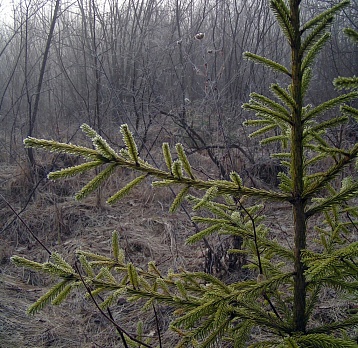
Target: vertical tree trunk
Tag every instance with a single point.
(297, 173)
(178, 10)
(97, 122)
(34, 110)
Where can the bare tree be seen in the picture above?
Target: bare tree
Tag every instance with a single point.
(33, 111)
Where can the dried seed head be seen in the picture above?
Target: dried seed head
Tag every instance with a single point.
(199, 36)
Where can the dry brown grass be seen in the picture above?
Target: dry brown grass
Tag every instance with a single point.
(147, 232)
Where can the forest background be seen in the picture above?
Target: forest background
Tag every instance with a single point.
(173, 71)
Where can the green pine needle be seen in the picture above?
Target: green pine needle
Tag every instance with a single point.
(96, 182)
(235, 178)
(130, 143)
(283, 95)
(167, 156)
(346, 82)
(54, 146)
(184, 160)
(47, 298)
(267, 62)
(104, 149)
(209, 195)
(133, 276)
(324, 341)
(177, 169)
(277, 138)
(316, 34)
(282, 14)
(115, 244)
(72, 171)
(86, 266)
(89, 131)
(126, 189)
(62, 295)
(22, 262)
(260, 99)
(60, 262)
(314, 51)
(179, 199)
(266, 112)
(353, 34)
(203, 234)
(306, 80)
(93, 256)
(330, 104)
(262, 130)
(328, 13)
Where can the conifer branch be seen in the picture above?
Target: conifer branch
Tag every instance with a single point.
(283, 95)
(203, 233)
(167, 156)
(324, 341)
(316, 34)
(263, 130)
(54, 146)
(306, 80)
(89, 131)
(346, 82)
(331, 327)
(177, 169)
(104, 149)
(282, 14)
(260, 99)
(130, 143)
(267, 62)
(331, 173)
(265, 112)
(331, 123)
(352, 34)
(184, 160)
(125, 190)
(350, 111)
(120, 330)
(322, 16)
(179, 199)
(96, 182)
(48, 297)
(236, 179)
(117, 252)
(62, 296)
(329, 105)
(72, 171)
(174, 177)
(273, 139)
(314, 51)
(23, 262)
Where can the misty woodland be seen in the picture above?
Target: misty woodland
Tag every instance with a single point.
(243, 112)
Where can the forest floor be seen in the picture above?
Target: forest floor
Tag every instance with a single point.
(147, 232)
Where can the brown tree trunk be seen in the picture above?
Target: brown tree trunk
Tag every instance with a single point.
(299, 306)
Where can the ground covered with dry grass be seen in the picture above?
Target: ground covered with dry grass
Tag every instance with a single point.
(147, 232)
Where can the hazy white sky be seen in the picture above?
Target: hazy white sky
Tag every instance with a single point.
(6, 5)
(5, 8)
